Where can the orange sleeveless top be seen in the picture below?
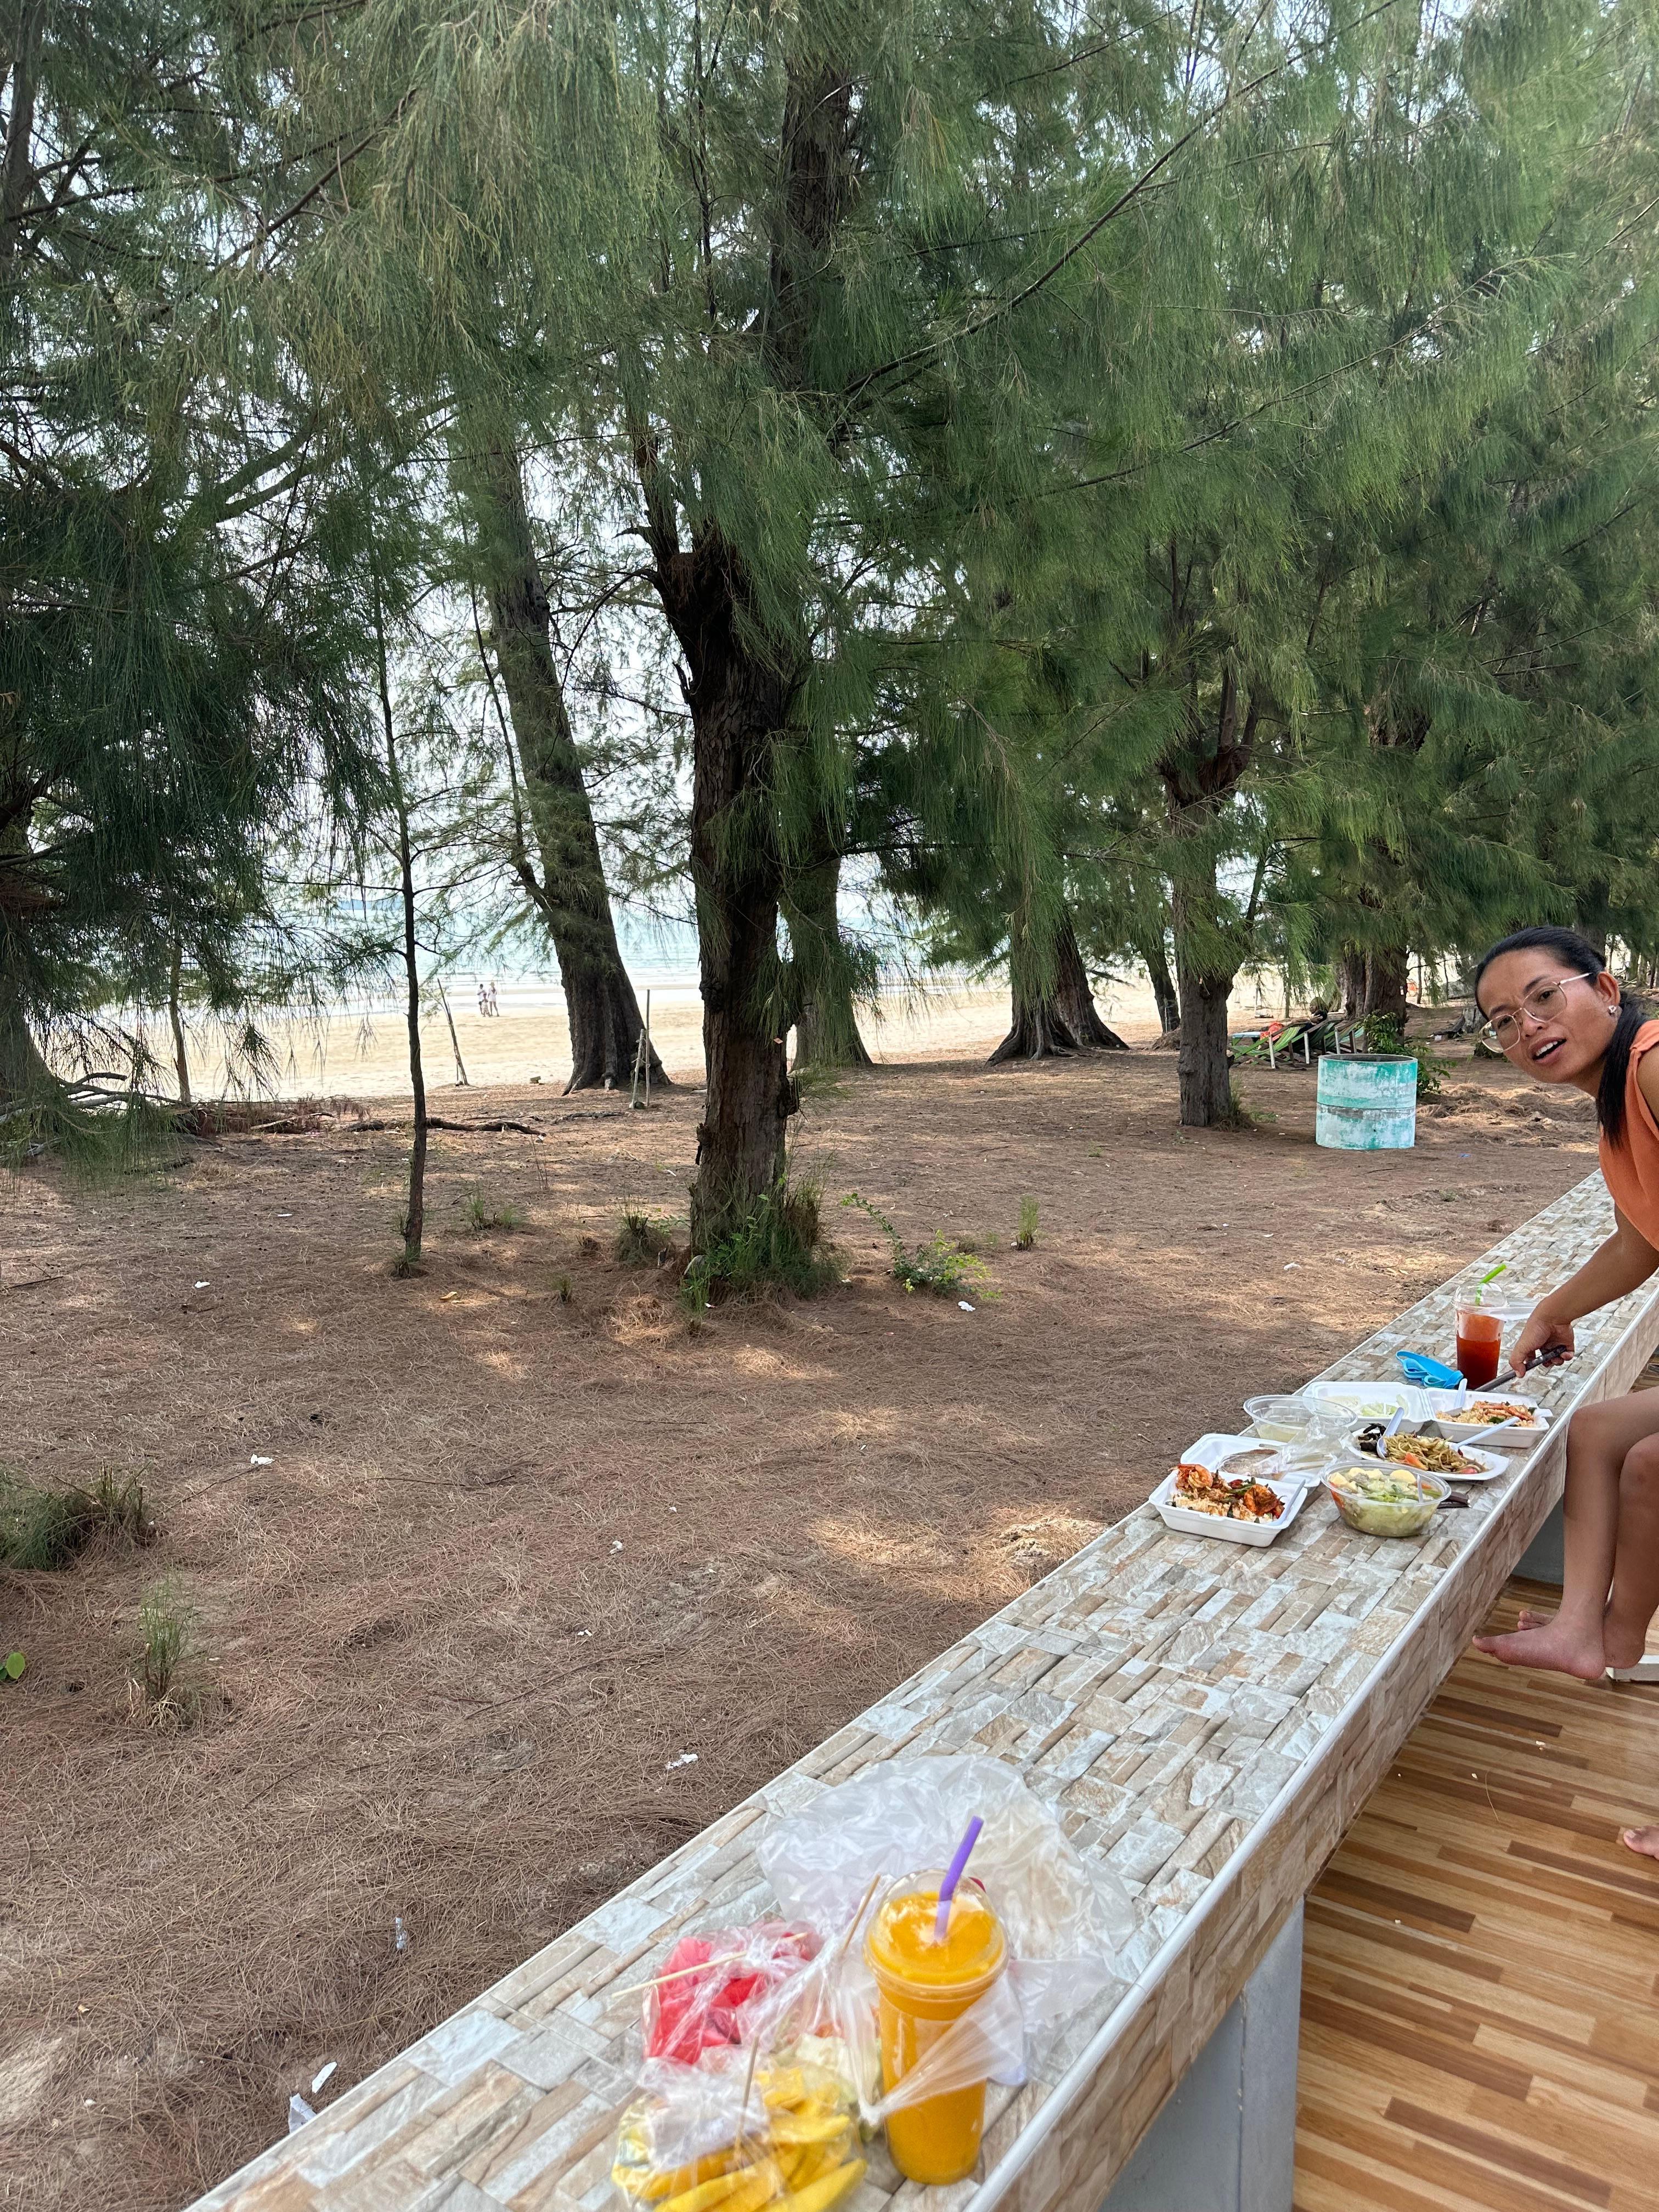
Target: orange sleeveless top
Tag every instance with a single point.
(1630, 1168)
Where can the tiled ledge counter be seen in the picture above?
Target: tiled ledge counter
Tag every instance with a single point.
(1208, 1717)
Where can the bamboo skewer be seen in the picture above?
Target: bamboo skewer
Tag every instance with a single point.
(679, 1973)
(852, 1926)
(748, 2084)
(735, 1958)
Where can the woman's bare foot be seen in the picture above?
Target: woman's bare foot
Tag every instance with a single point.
(1558, 1646)
(1623, 1644)
(1644, 1842)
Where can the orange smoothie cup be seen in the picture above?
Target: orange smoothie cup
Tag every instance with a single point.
(923, 1987)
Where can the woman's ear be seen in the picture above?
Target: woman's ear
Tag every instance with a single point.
(1606, 989)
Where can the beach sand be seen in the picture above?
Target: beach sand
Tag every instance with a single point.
(366, 1055)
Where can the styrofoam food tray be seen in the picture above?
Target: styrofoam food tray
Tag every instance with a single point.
(1491, 1463)
(1443, 1411)
(1375, 1401)
(1230, 1532)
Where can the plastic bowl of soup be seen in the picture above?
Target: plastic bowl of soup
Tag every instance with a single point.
(1386, 1501)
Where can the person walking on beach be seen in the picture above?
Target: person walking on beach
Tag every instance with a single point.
(1549, 1001)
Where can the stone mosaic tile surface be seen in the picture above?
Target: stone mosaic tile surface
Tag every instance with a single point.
(1206, 1717)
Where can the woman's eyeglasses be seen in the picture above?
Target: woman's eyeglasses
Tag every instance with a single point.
(1538, 1004)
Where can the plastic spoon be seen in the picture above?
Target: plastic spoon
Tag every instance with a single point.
(947, 1889)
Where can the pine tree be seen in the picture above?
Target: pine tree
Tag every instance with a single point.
(177, 662)
(1352, 246)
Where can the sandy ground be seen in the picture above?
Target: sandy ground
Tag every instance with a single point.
(366, 1056)
(516, 1552)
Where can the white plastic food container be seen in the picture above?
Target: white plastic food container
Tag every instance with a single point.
(1229, 1531)
(1375, 1401)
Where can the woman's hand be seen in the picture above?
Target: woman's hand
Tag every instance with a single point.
(1541, 1333)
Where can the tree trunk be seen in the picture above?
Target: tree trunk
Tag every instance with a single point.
(1351, 982)
(17, 175)
(415, 1217)
(1205, 1085)
(1038, 1032)
(743, 677)
(181, 1057)
(826, 1022)
(415, 1220)
(569, 887)
(740, 705)
(24, 1075)
(1164, 989)
(1201, 777)
(1053, 1012)
(1075, 998)
(1387, 970)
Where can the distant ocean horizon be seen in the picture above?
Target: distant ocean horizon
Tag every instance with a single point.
(659, 956)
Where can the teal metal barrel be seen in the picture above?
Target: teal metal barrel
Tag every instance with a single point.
(1367, 1103)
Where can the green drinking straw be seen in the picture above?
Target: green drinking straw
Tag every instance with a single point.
(1491, 1276)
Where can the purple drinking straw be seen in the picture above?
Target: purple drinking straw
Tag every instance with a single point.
(947, 1889)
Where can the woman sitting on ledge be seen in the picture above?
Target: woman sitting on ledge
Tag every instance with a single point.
(1557, 1013)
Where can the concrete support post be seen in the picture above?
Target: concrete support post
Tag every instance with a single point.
(1543, 1561)
(1226, 2139)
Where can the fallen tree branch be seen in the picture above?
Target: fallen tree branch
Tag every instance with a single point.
(491, 1128)
(290, 1125)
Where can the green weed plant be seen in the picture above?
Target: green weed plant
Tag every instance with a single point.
(780, 1246)
(939, 1265)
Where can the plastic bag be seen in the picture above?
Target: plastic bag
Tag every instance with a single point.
(987, 2044)
(1061, 1918)
(747, 2103)
(689, 2011)
(725, 2136)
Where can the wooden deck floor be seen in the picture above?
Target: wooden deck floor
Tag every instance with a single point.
(1480, 1979)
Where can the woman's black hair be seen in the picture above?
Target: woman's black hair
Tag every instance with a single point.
(1577, 953)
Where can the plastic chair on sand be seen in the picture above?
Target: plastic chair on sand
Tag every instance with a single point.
(1276, 1038)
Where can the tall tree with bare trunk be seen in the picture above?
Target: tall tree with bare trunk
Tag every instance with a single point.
(555, 845)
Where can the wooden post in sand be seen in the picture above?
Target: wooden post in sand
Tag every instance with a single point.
(642, 1061)
(461, 1083)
